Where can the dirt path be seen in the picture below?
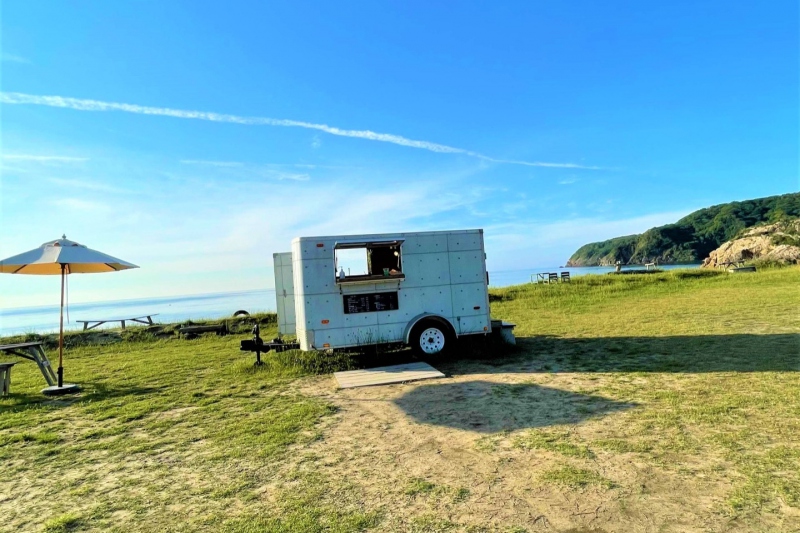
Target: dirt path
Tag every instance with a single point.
(451, 454)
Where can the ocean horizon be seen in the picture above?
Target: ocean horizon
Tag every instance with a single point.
(169, 309)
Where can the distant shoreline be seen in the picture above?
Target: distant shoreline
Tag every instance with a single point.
(42, 319)
(670, 264)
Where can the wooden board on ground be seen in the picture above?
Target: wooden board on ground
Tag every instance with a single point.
(386, 374)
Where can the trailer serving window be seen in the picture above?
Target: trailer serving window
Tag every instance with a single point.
(368, 261)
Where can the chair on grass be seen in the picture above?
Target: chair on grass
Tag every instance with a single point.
(564, 276)
(553, 277)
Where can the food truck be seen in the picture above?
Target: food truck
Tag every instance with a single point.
(424, 289)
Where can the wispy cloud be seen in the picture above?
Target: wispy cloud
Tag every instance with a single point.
(305, 165)
(567, 181)
(292, 177)
(13, 58)
(212, 163)
(87, 185)
(43, 158)
(79, 204)
(243, 170)
(96, 105)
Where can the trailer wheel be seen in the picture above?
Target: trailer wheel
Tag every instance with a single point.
(430, 338)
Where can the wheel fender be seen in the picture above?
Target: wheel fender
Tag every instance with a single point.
(428, 316)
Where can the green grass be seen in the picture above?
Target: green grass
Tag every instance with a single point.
(676, 302)
(307, 508)
(575, 478)
(711, 358)
(621, 446)
(62, 524)
(187, 435)
(552, 442)
(419, 486)
(169, 421)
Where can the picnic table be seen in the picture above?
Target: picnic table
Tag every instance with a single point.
(144, 319)
(730, 264)
(32, 351)
(5, 378)
(550, 277)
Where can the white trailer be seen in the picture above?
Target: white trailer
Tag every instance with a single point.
(424, 289)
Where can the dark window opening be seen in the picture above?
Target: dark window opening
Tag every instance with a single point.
(382, 260)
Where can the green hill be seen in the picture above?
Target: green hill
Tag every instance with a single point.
(691, 238)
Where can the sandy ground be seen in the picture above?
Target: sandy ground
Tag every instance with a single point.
(459, 434)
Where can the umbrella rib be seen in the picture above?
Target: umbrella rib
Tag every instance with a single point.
(20, 268)
(109, 265)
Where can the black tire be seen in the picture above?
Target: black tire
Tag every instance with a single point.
(431, 338)
(241, 312)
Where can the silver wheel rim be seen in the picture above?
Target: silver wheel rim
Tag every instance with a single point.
(432, 340)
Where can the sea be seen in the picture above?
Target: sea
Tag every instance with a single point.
(44, 319)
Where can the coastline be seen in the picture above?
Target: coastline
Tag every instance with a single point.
(172, 309)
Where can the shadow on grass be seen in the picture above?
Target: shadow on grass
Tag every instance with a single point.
(688, 353)
(90, 392)
(488, 407)
(478, 354)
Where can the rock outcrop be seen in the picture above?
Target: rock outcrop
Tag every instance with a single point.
(778, 242)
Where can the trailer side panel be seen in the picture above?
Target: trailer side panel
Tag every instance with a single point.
(284, 293)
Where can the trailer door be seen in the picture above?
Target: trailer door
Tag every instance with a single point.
(284, 293)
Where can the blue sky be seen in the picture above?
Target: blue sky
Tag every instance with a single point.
(548, 124)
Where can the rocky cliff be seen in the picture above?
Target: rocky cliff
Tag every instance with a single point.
(778, 242)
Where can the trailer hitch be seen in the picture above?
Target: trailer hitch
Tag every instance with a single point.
(256, 344)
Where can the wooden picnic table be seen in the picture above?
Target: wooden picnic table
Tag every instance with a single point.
(144, 319)
(33, 351)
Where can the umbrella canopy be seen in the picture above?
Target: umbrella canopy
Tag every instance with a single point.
(63, 257)
(48, 258)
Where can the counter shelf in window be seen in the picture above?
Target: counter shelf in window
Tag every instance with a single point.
(371, 278)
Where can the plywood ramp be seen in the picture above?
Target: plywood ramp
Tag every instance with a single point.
(386, 374)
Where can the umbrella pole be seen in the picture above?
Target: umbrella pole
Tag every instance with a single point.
(61, 333)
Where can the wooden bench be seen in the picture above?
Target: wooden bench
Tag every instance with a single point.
(144, 319)
(33, 351)
(5, 378)
(193, 331)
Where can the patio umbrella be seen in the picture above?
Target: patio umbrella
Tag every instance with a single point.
(63, 257)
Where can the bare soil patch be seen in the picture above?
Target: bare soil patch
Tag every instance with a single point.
(463, 438)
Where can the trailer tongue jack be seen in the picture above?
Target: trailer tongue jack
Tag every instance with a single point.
(256, 344)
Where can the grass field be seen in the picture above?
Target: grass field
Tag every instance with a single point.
(667, 402)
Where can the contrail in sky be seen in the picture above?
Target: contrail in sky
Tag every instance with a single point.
(43, 158)
(96, 105)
